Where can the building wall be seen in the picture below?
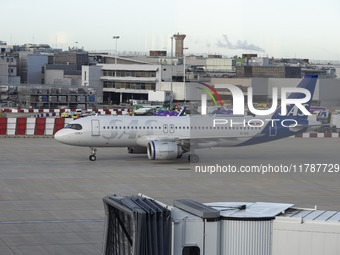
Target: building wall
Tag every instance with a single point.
(91, 78)
(330, 93)
(234, 81)
(124, 82)
(220, 65)
(177, 88)
(3, 73)
(177, 71)
(181, 93)
(71, 58)
(268, 71)
(23, 58)
(14, 80)
(260, 61)
(53, 76)
(35, 63)
(8, 70)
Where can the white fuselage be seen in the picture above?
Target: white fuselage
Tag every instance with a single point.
(125, 131)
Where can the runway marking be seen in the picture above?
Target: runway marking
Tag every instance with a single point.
(48, 221)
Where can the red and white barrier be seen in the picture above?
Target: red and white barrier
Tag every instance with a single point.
(49, 126)
(57, 112)
(318, 135)
(32, 126)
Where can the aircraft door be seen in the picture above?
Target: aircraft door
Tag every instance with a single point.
(165, 128)
(95, 127)
(172, 128)
(272, 128)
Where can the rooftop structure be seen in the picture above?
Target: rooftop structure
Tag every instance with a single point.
(179, 44)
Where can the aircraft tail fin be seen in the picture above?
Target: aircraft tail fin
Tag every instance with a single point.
(182, 112)
(292, 110)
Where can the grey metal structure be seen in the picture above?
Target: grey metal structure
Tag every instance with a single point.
(251, 228)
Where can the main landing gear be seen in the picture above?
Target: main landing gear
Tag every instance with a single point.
(193, 158)
(93, 154)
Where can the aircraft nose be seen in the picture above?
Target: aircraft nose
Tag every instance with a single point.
(62, 136)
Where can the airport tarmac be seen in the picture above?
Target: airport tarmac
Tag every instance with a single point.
(51, 194)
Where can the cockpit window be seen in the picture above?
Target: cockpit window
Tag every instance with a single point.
(74, 126)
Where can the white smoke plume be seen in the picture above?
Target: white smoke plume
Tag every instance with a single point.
(240, 45)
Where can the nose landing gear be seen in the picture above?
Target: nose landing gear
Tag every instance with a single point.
(93, 154)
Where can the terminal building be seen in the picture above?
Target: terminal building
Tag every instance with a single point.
(157, 77)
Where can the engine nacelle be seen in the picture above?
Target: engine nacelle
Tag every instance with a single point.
(164, 150)
(137, 150)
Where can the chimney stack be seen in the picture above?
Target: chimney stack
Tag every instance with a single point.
(179, 44)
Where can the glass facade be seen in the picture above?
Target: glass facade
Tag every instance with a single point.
(138, 85)
(129, 85)
(138, 74)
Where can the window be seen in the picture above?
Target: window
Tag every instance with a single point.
(194, 250)
(74, 126)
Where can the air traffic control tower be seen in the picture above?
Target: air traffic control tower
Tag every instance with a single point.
(179, 44)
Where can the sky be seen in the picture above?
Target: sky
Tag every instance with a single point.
(281, 29)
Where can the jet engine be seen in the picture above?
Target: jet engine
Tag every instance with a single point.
(164, 150)
(137, 150)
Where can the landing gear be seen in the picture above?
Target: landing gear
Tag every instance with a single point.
(93, 154)
(193, 158)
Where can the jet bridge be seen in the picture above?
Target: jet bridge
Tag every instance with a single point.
(141, 225)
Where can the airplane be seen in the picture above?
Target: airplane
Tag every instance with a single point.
(169, 137)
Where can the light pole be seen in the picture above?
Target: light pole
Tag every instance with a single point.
(185, 88)
(116, 37)
(171, 95)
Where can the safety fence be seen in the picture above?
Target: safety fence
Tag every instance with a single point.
(318, 135)
(32, 126)
(49, 126)
(57, 112)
